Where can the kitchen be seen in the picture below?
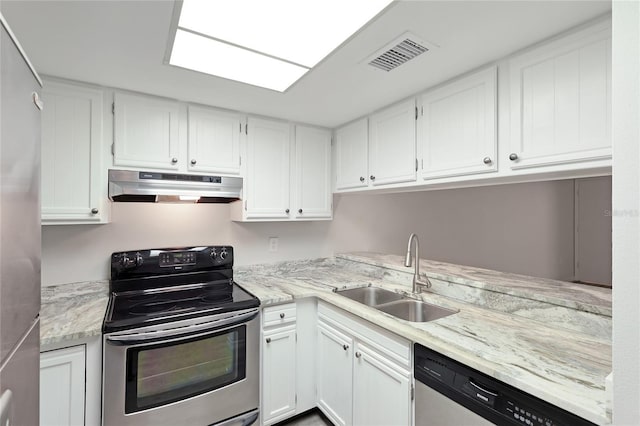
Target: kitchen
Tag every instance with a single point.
(361, 221)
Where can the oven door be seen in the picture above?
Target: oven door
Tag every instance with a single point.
(201, 371)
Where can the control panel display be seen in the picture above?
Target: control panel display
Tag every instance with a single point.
(177, 258)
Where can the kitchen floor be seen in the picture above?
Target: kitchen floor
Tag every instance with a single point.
(313, 418)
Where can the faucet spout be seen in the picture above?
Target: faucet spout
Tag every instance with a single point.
(419, 280)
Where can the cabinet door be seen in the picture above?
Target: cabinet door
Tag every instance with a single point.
(266, 185)
(312, 177)
(392, 144)
(62, 386)
(146, 132)
(381, 392)
(71, 154)
(335, 372)
(214, 141)
(352, 155)
(458, 127)
(279, 374)
(561, 101)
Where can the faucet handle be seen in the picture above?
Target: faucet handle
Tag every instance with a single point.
(423, 281)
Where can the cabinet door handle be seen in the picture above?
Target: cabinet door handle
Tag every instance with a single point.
(94, 211)
(358, 355)
(372, 177)
(513, 156)
(193, 162)
(282, 315)
(345, 347)
(287, 211)
(174, 160)
(300, 211)
(487, 160)
(362, 179)
(268, 339)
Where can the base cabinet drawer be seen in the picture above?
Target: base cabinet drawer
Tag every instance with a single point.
(62, 386)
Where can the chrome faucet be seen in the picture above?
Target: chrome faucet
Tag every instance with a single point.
(419, 280)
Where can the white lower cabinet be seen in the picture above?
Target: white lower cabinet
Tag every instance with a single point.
(335, 370)
(381, 390)
(288, 360)
(363, 373)
(62, 386)
(279, 374)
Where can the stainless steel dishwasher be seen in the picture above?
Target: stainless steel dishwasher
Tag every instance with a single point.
(449, 393)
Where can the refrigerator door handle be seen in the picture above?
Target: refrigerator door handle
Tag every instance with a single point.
(5, 407)
(37, 101)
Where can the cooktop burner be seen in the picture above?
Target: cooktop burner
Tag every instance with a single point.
(162, 285)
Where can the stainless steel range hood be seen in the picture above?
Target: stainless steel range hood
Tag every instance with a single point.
(136, 186)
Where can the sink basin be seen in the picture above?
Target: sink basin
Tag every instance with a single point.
(415, 311)
(370, 296)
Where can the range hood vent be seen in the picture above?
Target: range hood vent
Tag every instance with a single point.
(398, 52)
(153, 187)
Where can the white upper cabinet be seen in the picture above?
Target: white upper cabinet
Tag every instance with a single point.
(392, 144)
(73, 178)
(214, 141)
(561, 101)
(146, 132)
(457, 128)
(351, 159)
(312, 176)
(267, 178)
(286, 177)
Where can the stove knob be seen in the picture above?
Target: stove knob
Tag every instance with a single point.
(138, 259)
(213, 254)
(223, 254)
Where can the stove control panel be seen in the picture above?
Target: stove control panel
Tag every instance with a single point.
(167, 261)
(177, 258)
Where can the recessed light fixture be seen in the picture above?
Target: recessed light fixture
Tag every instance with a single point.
(265, 43)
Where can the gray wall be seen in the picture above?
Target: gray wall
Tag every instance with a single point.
(524, 228)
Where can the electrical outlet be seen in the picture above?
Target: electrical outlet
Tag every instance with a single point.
(273, 243)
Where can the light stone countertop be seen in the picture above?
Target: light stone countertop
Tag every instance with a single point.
(72, 311)
(563, 367)
(562, 293)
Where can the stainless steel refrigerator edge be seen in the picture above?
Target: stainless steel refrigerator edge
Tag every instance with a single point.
(19, 234)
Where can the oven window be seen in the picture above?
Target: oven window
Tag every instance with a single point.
(161, 373)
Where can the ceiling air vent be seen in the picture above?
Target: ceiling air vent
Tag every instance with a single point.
(396, 53)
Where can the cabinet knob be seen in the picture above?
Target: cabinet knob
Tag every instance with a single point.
(372, 177)
(513, 156)
(345, 347)
(94, 211)
(174, 160)
(487, 160)
(268, 339)
(300, 211)
(282, 315)
(193, 162)
(287, 211)
(358, 355)
(362, 179)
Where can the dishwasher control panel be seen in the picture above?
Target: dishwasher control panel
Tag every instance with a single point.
(486, 396)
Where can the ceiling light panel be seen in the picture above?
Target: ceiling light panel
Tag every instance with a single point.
(298, 31)
(224, 60)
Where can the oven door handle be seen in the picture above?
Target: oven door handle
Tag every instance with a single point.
(224, 322)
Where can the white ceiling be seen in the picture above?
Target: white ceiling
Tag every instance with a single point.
(123, 44)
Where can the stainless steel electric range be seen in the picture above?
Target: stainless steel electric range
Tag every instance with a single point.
(181, 340)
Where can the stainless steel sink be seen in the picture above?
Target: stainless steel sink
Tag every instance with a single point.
(415, 311)
(370, 296)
